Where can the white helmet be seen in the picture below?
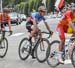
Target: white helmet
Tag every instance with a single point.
(6, 10)
(73, 6)
(42, 8)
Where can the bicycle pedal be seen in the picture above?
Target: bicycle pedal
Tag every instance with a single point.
(52, 55)
(32, 54)
(23, 49)
(33, 57)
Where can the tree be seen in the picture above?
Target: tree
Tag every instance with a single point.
(27, 6)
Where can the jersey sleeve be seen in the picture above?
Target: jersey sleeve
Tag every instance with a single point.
(44, 19)
(33, 15)
(68, 16)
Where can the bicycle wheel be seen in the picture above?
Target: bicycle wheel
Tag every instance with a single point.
(24, 49)
(52, 59)
(73, 57)
(41, 50)
(3, 47)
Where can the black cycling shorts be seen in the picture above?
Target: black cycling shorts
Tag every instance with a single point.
(3, 24)
(29, 25)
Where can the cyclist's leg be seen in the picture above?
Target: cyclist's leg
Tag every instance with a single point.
(28, 27)
(62, 40)
(2, 26)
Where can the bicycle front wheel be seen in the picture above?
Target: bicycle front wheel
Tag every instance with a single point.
(41, 49)
(52, 59)
(3, 47)
(24, 49)
(73, 57)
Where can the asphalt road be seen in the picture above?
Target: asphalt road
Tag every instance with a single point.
(12, 60)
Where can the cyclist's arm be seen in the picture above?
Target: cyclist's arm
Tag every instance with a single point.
(34, 19)
(46, 24)
(9, 23)
(9, 26)
(69, 19)
(48, 28)
(70, 22)
(34, 22)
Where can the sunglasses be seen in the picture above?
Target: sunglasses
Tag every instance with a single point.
(42, 11)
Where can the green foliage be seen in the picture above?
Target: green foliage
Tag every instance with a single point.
(27, 6)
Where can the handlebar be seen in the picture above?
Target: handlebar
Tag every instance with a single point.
(4, 31)
(72, 38)
(47, 33)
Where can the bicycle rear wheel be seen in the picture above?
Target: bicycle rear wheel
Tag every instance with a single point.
(52, 59)
(3, 47)
(24, 49)
(41, 49)
(73, 57)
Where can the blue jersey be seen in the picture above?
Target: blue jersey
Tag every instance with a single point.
(38, 17)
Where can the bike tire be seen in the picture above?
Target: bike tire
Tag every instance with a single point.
(19, 49)
(49, 62)
(6, 49)
(72, 57)
(36, 51)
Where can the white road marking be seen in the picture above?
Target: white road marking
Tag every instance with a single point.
(17, 34)
(67, 61)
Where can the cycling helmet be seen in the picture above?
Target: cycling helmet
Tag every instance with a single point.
(72, 4)
(7, 10)
(42, 8)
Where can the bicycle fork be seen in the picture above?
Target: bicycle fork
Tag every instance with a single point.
(70, 49)
(64, 52)
(32, 48)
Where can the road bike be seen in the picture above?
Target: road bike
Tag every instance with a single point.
(39, 48)
(73, 53)
(68, 51)
(3, 44)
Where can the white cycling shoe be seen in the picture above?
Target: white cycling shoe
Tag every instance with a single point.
(60, 60)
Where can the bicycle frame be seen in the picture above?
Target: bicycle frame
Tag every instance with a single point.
(33, 49)
(37, 41)
(3, 35)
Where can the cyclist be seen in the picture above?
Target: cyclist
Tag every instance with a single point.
(34, 19)
(5, 19)
(65, 22)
